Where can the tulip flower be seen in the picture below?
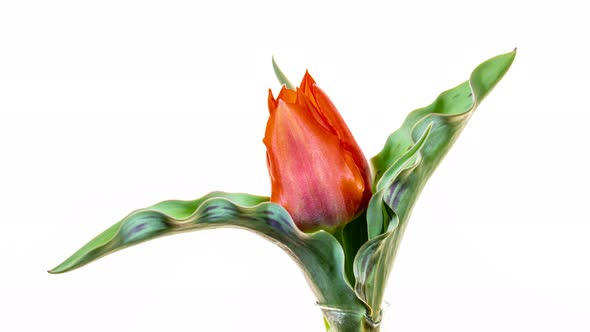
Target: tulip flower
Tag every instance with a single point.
(317, 170)
(340, 224)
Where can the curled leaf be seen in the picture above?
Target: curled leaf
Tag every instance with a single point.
(402, 168)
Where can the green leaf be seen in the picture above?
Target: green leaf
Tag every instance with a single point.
(351, 237)
(281, 76)
(379, 213)
(318, 254)
(402, 168)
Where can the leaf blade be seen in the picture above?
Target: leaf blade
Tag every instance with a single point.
(318, 254)
(399, 190)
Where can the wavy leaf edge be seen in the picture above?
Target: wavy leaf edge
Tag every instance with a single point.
(480, 84)
(319, 255)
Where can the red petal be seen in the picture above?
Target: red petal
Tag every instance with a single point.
(312, 175)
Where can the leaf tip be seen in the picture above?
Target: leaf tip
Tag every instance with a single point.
(280, 75)
(65, 266)
(57, 270)
(485, 77)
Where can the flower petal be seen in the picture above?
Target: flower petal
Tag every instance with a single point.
(312, 175)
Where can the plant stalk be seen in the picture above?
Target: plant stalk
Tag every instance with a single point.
(338, 320)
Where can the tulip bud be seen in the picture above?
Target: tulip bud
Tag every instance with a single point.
(318, 172)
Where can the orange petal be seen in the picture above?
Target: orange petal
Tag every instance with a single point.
(312, 175)
(334, 119)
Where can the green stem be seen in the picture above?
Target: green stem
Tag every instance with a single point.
(351, 237)
(348, 254)
(337, 320)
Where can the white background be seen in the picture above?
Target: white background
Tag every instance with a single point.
(115, 105)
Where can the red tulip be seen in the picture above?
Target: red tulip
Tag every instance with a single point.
(318, 172)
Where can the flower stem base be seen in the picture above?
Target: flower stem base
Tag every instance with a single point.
(338, 320)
